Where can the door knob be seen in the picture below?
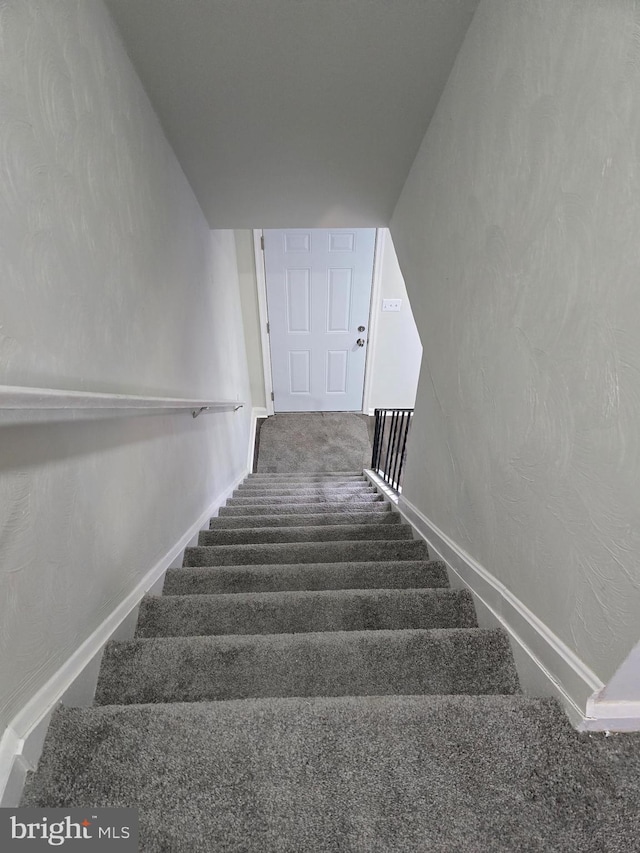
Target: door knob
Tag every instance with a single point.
(360, 342)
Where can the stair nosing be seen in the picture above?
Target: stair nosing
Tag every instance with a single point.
(431, 590)
(306, 636)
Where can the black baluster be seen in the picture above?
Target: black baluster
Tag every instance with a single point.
(376, 430)
(397, 454)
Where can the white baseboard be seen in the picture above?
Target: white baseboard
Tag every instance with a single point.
(604, 715)
(385, 490)
(22, 740)
(617, 707)
(567, 677)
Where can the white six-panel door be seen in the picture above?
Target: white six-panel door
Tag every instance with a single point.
(318, 295)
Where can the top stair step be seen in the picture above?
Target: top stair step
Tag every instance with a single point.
(309, 475)
(306, 477)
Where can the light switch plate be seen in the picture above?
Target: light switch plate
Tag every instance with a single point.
(391, 304)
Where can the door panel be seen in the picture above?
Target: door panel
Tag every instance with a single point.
(318, 294)
(299, 372)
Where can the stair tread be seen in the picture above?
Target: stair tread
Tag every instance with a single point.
(304, 611)
(301, 520)
(338, 532)
(175, 669)
(358, 473)
(441, 773)
(303, 485)
(304, 552)
(331, 497)
(323, 475)
(310, 576)
(302, 491)
(378, 507)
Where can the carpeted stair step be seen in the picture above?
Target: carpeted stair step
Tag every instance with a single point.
(382, 574)
(304, 509)
(334, 663)
(301, 492)
(304, 612)
(400, 774)
(305, 552)
(301, 520)
(337, 482)
(333, 497)
(325, 477)
(349, 532)
(308, 482)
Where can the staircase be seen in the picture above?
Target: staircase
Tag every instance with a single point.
(309, 682)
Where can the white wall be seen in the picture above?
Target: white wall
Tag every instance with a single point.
(395, 350)
(517, 232)
(111, 281)
(250, 315)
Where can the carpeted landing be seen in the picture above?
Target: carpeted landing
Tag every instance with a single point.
(309, 682)
(310, 442)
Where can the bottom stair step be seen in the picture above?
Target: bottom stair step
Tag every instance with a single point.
(399, 774)
(193, 669)
(401, 574)
(304, 612)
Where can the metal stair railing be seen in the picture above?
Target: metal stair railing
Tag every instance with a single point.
(390, 444)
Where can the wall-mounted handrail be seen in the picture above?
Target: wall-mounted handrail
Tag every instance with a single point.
(19, 398)
(390, 444)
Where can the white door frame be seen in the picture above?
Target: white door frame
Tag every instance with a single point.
(374, 311)
(261, 284)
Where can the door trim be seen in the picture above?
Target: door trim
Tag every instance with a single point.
(261, 287)
(376, 290)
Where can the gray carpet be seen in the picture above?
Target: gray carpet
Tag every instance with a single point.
(345, 518)
(383, 574)
(396, 774)
(303, 611)
(313, 533)
(331, 663)
(304, 552)
(308, 682)
(314, 442)
(303, 508)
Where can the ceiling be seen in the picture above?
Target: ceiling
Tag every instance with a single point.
(294, 112)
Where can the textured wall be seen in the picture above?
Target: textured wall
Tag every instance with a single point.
(518, 235)
(111, 281)
(397, 351)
